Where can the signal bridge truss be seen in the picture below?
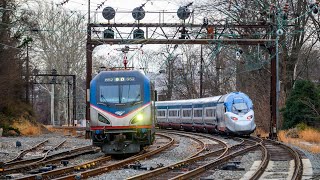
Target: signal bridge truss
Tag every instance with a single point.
(170, 33)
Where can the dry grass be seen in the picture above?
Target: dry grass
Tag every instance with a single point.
(262, 133)
(50, 128)
(308, 139)
(310, 135)
(26, 128)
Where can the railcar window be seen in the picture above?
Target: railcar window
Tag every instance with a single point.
(173, 113)
(197, 113)
(161, 113)
(240, 108)
(186, 113)
(210, 112)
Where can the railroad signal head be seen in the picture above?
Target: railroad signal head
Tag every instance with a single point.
(138, 34)
(183, 12)
(108, 13)
(239, 52)
(108, 33)
(138, 13)
(279, 32)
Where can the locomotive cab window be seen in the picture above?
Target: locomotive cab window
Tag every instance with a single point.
(120, 94)
(240, 108)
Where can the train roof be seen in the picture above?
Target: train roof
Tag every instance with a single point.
(188, 101)
(120, 73)
(228, 99)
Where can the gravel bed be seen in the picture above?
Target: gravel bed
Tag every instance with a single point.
(186, 148)
(314, 159)
(8, 149)
(246, 163)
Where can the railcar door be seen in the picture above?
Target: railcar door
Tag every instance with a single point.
(220, 117)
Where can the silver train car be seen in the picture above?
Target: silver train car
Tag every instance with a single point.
(230, 113)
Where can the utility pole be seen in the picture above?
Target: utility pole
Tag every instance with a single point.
(27, 74)
(201, 71)
(52, 104)
(53, 82)
(89, 50)
(68, 103)
(74, 105)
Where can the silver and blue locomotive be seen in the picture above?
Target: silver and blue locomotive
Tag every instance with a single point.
(229, 113)
(121, 111)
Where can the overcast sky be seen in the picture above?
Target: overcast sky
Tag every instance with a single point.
(123, 15)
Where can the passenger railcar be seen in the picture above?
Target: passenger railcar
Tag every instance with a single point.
(121, 111)
(229, 113)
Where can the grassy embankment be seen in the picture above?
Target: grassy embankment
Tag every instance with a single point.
(19, 119)
(306, 138)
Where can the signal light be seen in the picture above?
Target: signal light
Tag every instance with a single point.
(250, 117)
(108, 33)
(286, 8)
(138, 34)
(234, 118)
(210, 32)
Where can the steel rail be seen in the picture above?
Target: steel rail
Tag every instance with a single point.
(264, 163)
(159, 171)
(21, 154)
(202, 144)
(51, 149)
(298, 168)
(56, 172)
(107, 168)
(215, 163)
(26, 165)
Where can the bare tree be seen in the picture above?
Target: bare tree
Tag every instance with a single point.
(59, 38)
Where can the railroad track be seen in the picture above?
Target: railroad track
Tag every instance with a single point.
(197, 165)
(189, 163)
(279, 152)
(96, 167)
(33, 160)
(27, 165)
(24, 152)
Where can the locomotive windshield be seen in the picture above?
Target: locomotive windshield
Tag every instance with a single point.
(240, 108)
(120, 94)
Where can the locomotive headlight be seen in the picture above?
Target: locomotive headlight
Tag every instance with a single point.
(138, 118)
(250, 117)
(234, 118)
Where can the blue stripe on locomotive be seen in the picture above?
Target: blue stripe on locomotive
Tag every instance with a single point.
(146, 94)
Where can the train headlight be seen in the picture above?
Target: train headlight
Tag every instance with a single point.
(138, 118)
(234, 118)
(250, 117)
